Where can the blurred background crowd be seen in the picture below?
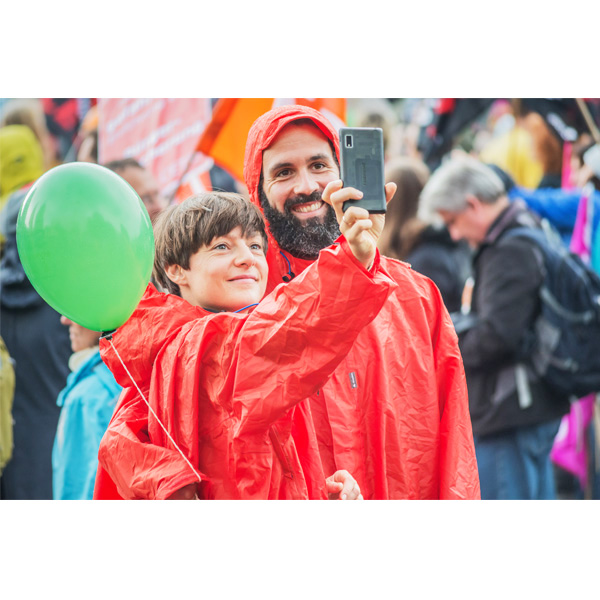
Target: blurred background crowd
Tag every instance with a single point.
(57, 396)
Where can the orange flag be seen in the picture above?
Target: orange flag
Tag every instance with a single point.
(224, 138)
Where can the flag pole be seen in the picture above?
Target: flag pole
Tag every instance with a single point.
(585, 111)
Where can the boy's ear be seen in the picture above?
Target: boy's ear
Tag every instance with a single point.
(176, 274)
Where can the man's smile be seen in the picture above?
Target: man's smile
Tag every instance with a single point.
(308, 209)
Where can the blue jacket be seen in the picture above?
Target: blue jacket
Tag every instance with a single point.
(87, 402)
(558, 206)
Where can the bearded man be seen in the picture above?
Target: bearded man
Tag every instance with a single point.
(395, 412)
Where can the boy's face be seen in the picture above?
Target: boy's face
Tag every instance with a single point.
(229, 273)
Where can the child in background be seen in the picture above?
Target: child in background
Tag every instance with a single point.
(87, 404)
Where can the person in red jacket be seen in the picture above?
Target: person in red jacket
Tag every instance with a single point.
(395, 411)
(225, 373)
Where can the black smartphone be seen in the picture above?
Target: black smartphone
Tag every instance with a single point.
(361, 153)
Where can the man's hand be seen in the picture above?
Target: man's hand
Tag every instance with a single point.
(360, 229)
(342, 486)
(187, 492)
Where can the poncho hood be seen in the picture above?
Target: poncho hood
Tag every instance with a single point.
(264, 131)
(262, 134)
(22, 159)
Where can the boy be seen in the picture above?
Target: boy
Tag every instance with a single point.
(229, 385)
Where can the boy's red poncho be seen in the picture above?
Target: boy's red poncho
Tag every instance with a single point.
(229, 387)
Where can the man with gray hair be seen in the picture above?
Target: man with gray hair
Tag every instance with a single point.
(515, 416)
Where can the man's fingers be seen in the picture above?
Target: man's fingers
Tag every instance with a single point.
(330, 188)
(355, 215)
(390, 190)
(343, 195)
(335, 194)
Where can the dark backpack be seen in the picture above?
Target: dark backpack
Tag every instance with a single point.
(564, 346)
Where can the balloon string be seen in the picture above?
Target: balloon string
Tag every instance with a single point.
(154, 414)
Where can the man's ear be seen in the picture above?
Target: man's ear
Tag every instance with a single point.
(176, 274)
(473, 202)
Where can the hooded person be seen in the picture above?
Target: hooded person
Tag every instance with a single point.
(31, 330)
(395, 411)
(21, 161)
(226, 373)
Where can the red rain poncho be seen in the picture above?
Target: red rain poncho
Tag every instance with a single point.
(225, 385)
(395, 412)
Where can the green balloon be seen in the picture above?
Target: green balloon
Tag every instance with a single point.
(85, 241)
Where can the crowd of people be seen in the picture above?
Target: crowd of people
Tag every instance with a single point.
(285, 348)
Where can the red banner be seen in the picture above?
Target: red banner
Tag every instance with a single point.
(162, 134)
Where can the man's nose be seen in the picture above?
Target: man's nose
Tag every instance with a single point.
(306, 183)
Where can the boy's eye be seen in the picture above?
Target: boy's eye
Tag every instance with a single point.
(256, 247)
(220, 247)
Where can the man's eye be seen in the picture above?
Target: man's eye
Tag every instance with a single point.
(283, 173)
(319, 166)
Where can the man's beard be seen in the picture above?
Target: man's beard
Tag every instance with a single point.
(301, 238)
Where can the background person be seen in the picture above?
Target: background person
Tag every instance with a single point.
(30, 112)
(32, 332)
(87, 404)
(143, 182)
(427, 247)
(515, 415)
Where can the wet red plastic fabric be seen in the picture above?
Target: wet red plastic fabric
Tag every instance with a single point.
(229, 387)
(395, 412)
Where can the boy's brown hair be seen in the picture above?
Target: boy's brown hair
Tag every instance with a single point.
(182, 229)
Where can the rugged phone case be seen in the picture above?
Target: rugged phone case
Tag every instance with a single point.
(361, 151)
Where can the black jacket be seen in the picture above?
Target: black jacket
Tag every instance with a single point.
(41, 348)
(504, 391)
(446, 262)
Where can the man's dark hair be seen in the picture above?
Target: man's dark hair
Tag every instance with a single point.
(122, 164)
(308, 121)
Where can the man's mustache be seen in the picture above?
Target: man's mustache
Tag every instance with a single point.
(302, 199)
